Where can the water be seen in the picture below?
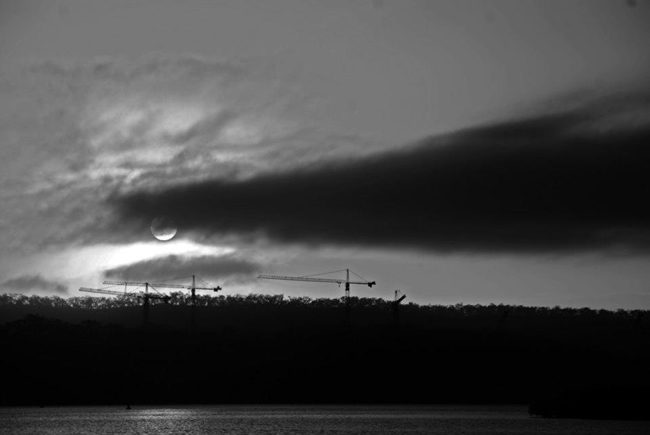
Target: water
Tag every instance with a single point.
(301, 419)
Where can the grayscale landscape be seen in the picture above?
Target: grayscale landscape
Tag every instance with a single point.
(314, 216)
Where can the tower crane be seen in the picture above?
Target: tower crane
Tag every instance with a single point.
(399, 297)
(310, 278)
(191, 287)
(146, 297)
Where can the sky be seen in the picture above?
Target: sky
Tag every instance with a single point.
(469, 152)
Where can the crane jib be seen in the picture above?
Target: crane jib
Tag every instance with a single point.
(307, 279)
(161, 285)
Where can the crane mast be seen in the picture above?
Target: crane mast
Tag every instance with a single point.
(399, 297)
(191, 287)
(146, 297)
(345, 281)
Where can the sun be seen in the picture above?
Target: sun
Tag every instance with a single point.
(163, 228)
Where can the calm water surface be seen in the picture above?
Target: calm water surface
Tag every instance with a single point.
(299, 419)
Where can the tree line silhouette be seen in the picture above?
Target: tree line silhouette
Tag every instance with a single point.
(14, 305)
(276, 349)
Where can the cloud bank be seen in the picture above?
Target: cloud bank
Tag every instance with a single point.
(222, 269)
(567, 182)
(35, 282)
(73, 132)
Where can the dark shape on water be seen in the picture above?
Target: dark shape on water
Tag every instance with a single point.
(600, 404)
(128, 406)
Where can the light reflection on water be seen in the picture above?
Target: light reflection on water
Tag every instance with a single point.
(294, 419)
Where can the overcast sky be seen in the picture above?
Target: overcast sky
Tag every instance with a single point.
(460, 151)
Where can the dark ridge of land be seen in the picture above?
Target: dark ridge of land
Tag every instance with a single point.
(269, 349)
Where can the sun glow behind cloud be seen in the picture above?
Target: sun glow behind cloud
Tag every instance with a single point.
(113, 256)
(84, 264)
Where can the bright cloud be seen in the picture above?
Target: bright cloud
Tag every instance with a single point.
(85, 262)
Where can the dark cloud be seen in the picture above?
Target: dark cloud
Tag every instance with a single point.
(224, 269)
(575, 181)
(35, 282)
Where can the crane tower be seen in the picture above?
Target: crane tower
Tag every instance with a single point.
(399, 297)
(310, 278)
(191, 287)
(146, 297)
